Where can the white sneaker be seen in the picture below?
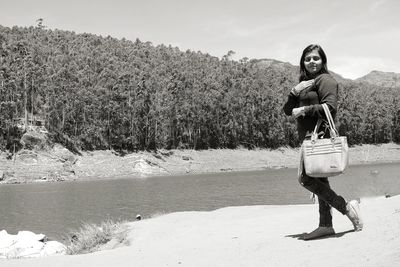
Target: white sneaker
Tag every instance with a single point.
(353, 213)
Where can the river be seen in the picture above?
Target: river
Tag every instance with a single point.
(57, 209)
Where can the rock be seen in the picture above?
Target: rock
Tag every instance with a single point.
(28, 157)
(145, 167)
(186, 158)
(6, 241)
(166, 153)
(142, 166)
(68, 168)
(27, 244)
(25, 249)
(64, 154)
(157, 156)
(1, 175)
(8, 174)
(34, 140)
(28, 235)
(13, 180)
(53, 248)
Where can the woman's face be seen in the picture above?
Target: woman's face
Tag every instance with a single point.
(313, 62)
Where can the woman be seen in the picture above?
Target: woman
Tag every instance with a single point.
(316, 87)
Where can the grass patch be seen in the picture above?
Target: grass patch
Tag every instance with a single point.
(92, 237)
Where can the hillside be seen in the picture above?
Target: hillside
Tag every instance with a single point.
(380, 78)
(101, 93)
(291, 70)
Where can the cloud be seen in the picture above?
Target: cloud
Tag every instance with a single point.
(376, 5)
(236, 28)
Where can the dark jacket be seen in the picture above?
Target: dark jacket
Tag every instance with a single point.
(324, 90)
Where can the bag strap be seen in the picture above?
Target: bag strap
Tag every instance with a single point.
(332, 128)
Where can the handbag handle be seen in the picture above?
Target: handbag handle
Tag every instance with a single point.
(332, 128)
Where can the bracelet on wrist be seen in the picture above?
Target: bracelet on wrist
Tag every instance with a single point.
(294, 92)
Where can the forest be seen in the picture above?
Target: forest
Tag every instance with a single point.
(96, 93)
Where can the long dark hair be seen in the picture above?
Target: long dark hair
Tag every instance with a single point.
(311, 47)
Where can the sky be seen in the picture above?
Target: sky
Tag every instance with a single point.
(358, 36)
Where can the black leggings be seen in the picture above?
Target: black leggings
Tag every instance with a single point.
(327, 198)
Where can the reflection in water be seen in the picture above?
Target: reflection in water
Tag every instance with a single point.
(58, 208)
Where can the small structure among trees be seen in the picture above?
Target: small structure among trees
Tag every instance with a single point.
(32, 123)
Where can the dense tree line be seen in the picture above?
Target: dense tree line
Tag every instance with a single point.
(104, 93)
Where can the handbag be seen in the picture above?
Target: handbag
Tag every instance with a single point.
(325, 157)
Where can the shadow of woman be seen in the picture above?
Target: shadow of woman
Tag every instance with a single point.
(336, 235)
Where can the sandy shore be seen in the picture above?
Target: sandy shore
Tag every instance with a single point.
(250, 236)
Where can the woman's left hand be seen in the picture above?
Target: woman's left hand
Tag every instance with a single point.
(297, 112)
(302, 86)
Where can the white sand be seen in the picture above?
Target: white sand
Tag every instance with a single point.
(250, 236)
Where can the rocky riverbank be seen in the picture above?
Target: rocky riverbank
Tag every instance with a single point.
(26, 244)
(59, 164)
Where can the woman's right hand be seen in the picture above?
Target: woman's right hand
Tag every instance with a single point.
(297, 112)
(302, 86)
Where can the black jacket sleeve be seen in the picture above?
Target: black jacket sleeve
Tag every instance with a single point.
(291, 103)
(327, 89)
